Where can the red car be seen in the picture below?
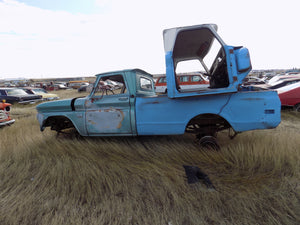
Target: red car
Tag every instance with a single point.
(290, 95)
(5, 114)
(186, 81)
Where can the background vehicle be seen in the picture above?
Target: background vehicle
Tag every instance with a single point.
(187, 81)
(46, 96)
(290, 96)
(60, 86)
(135, 108)
(85, 88)
(17, 95)
(252, 80)
(276, 84)
(283, 77)
(5, 118)
(77, 83)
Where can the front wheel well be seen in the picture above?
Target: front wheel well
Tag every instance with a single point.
(207, 124)
(58, 123)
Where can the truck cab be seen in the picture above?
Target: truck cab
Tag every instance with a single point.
(201, 46)
(109, 109)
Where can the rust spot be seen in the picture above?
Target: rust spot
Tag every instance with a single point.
(92, 122)
(120, 124)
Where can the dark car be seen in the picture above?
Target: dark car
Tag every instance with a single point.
(17, 95)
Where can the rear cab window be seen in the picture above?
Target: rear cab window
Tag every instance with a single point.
(145, 85)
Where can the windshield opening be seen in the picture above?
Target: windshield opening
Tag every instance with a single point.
(198, 51)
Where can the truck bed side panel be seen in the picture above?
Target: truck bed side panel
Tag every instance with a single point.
(164, 116)
(161, 115)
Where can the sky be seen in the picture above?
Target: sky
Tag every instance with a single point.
(67, 38)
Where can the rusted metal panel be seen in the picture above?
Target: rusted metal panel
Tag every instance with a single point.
(106, 119)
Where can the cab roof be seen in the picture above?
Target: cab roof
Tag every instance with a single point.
(124, 71)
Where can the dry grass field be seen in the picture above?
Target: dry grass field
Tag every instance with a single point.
(141, 180)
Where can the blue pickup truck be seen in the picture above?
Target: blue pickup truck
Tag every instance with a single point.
(124, 103)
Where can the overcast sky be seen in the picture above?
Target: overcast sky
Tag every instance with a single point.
(56, 38)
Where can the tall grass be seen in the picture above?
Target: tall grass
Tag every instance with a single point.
(141, 180)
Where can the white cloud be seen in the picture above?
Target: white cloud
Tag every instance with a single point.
(103, 3)
(128, 34)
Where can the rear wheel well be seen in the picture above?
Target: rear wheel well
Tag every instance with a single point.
(207, 124)
(58, 123)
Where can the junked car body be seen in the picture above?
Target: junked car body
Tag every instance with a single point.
(75, 84)
(185, 81)
(252, 81)
(276, 84)
(290, 96)
(17, 95)
(60, 86)
(135, 108)
(283, 77)
(46, 96)
(5, 118)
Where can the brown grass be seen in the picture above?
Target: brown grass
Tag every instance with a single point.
(140, 180)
